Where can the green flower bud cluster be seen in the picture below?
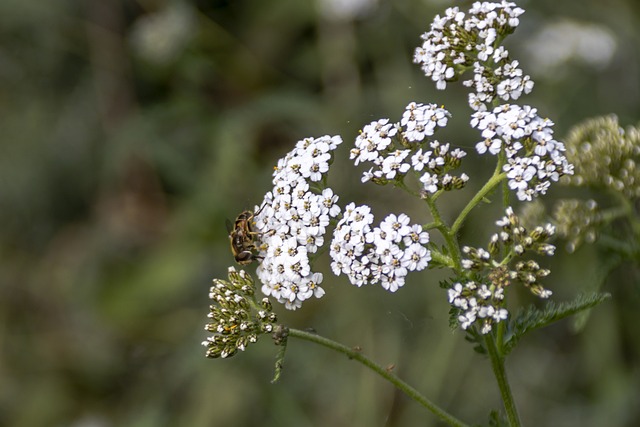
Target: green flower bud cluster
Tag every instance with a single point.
(605, 156)
(577, 221)
(236, 319)
(512, 241)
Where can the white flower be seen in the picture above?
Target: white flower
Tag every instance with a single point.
(374, 138)
(315, 167)
(492, 145)
(454, 292)
(416, 235)
(393, 164)
(520, 173)
(396, 227)
(419, 159)
(506, 127)
(430, 182)
(416, 257)
(500, 314)
(467, 319)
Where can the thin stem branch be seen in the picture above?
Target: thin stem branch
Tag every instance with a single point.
(383, 372)
(449, 236)
(439, 258)
(502, 159)
(486, 189)
(497, 363)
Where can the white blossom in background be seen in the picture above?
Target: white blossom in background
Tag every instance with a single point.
(293, 220)
(160, 36)
(383, 254)
(556, 44)
(343, 10)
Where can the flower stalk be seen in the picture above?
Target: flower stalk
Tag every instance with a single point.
(497, 364)
(385, 373)
(487, 188)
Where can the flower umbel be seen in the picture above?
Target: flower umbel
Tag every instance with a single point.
(480, 299)
(457, 42)
(383, 254)
(478, 302)
(400, 148)
(236, 319)
(534, 158)
(293, 221)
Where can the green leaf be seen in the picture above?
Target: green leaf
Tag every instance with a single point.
(534, 318)
(496, 419)
(475, 337)
(605, 267)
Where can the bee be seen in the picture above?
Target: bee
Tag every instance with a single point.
(241, 237)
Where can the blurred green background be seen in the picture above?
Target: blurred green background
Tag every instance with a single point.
(130, 130)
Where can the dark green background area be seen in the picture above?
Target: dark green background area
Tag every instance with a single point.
(123, 155)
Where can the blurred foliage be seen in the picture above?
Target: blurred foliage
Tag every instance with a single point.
(130, 130)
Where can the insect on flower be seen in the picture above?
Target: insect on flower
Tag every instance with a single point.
(241, 237)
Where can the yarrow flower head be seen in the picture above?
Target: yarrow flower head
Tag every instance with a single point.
(384, 254)
(534, 158)
(398, 149)
(235, 318)
(493, 270)
(458, 41)
(478, 303)
(293, 220)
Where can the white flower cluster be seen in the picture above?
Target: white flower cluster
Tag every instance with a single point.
(397, 148)
(534, 158)
(457, 41)
(292, 222)
(478, 302)
(383, 254)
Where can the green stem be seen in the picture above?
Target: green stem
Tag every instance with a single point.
(486, 189)
(497, 363)
(383, 372)
(430, 226)
(439, 258)
(621, 247)
(609, 215)
(502, 159)
(449, 236)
